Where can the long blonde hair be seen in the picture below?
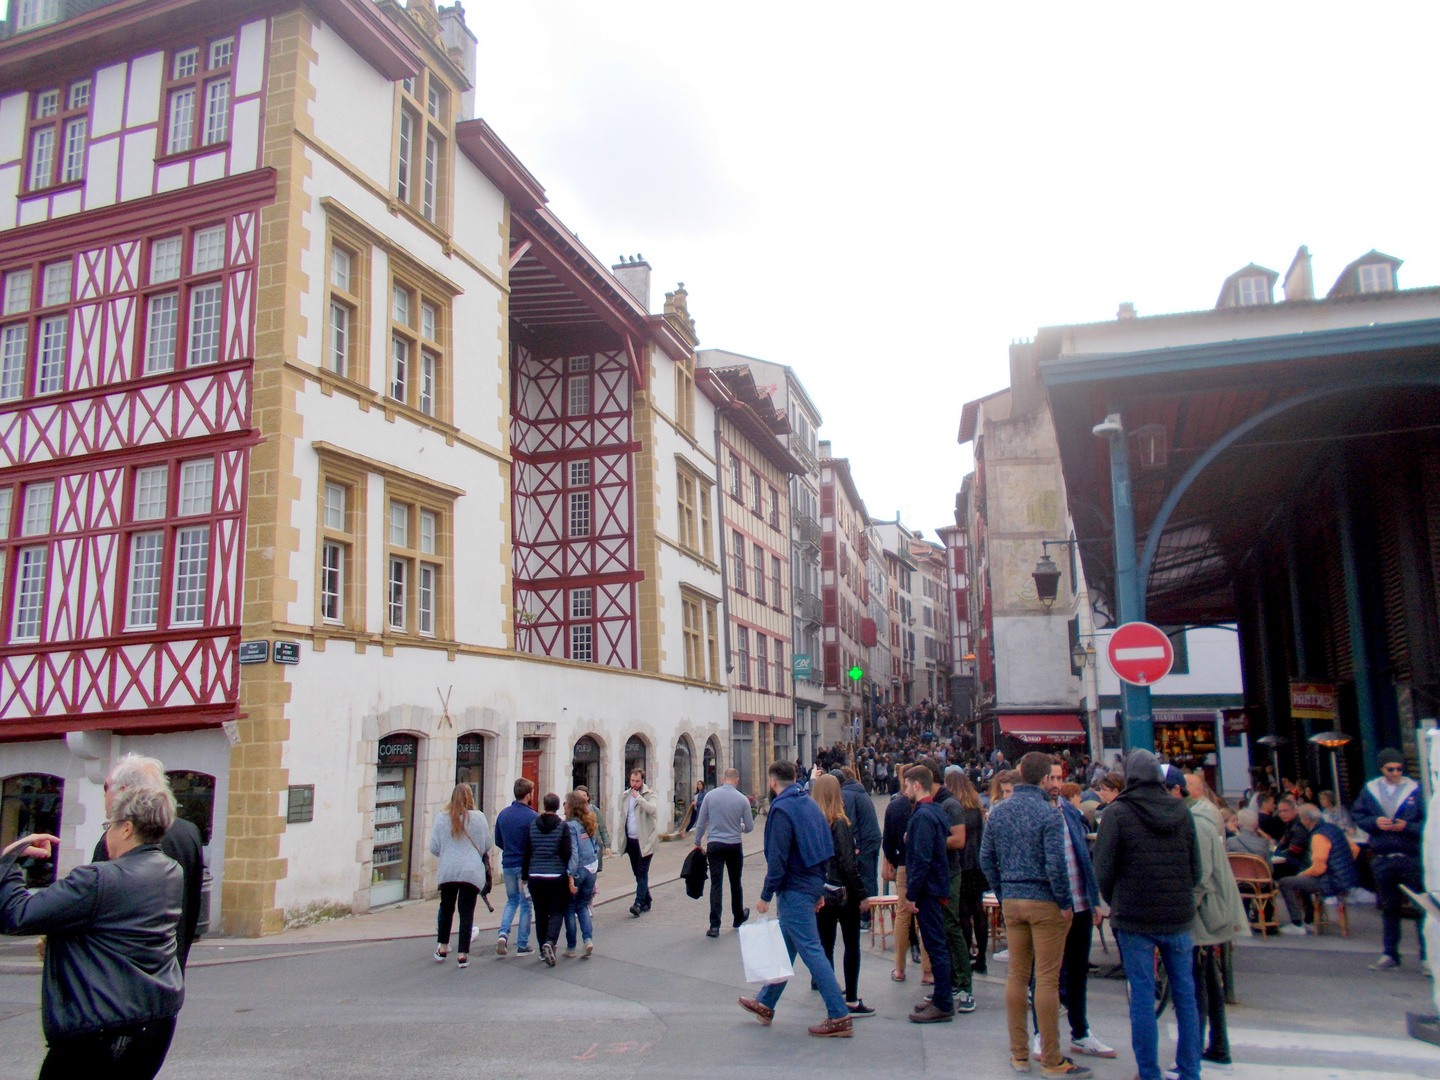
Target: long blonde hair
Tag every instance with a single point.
(826, 792)
(462, 801)
(577, 808)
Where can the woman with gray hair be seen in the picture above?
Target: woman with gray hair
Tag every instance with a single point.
(111, 987)
(1250, 840)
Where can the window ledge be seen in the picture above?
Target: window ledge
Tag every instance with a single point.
(330, 382)
(56, 189)
(403, 209)
(395, 409)
(193, 152)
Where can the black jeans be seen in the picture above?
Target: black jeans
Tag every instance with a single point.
(453, 894)
(725, 858)
(931, 918)
(1075, 972)
(551, 897)
(847, 918)
(1392, 871)
(973, 920)
(134, 1052)
(640, 867)
(1210, 999)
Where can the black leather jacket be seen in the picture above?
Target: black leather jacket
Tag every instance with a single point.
(110, 940)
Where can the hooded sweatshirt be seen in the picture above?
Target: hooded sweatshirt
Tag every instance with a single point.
(1147, 859)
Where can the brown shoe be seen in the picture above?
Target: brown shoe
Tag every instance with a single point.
(762, 1013)
(931, 1015)
(840, 1028)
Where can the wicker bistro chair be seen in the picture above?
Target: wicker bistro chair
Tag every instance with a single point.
(1257, 889)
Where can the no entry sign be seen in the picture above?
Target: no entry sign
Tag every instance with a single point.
(1140, 653)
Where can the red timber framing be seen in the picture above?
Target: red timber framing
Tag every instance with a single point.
(123, 493)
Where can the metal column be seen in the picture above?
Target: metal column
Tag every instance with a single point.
(1138, 730)
(1370, 744)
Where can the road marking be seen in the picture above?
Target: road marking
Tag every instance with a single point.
(1259, 1039)
(1141, 652)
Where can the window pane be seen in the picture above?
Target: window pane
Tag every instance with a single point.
(335, 507)
(39, 507)
(204, 324)
(192, 560)
(579, 513)
(340, 268)
(80, 94)
(339, 337)
(432, 100)
(395, 594)
(427, 322)
(42, 157)
(399, 367)
(402, 169)
(208, 253)
(197, 485)
(400, 304)
(182, 120)
(582, 645)
(427, 532)
(582, 603)
(187, 63)
(425, 600)
(579, 395)
(142, 609)
(217, 111)
(432, 164)
(399, 525)
(13, 342)
(221, 52)
(17, 291)
(73, 167)
(57, 284)
(427, 383)
(150, 491)
(162, 318)
(7, 496)
(50, 367)
(29, 593)
(164, 260)
(332, 580)
(579, 474)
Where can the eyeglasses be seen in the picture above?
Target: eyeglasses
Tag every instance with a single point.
(1392, 768)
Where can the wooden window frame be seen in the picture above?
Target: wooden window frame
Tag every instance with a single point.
(776, 582)
(356, 300)
(184, 287)
(59, 122)
(700, 541)
(737, 541)
(742, 656)
(33, 316)
(712, 639)
(757, 491)
(424, 290)
(417, 498)
(685, 394)
(414, 100)
(757, 561)
(355, 481)
(199, 83)
(692, 628)
(762, 663)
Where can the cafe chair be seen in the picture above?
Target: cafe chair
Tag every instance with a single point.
(1258, 890)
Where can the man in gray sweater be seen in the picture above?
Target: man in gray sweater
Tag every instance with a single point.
(725, 816)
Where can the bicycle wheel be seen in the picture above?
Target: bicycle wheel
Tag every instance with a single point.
(1162, 986)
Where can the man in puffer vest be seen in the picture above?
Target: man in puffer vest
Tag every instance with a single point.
(1331, 872)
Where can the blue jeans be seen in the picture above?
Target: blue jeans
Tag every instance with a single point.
(802, 936)
(931, 920)
(1138, 953)
(515, 896)
(579, 909)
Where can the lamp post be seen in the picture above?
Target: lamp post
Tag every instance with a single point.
(1333, 741)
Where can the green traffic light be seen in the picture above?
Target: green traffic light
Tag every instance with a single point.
(857, 673)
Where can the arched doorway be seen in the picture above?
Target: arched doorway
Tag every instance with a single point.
(711, 771)
(637, 756)
(396, 759)
(30, 803)
(585, 767)
(470, 764)
(683, 773)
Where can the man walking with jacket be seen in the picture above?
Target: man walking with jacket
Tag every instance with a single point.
(512, 830)
(1023, 857)
(725, 816)
(1147, 863)
(1392, 811)
(641, 830)
(798, 847)
(927, 890)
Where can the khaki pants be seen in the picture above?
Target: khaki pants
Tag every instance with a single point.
(902, 929)
(1035, 931)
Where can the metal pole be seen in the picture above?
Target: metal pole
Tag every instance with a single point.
(1369, 723)
(1139, 729)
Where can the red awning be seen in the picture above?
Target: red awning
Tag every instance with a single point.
(1044, 730)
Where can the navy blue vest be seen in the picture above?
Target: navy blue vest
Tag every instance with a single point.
(1340, 867)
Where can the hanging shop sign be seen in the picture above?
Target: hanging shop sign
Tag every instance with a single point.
(1314, 701)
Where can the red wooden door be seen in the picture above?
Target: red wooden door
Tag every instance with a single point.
(530, 770)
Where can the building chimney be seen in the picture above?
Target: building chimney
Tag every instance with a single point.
(634, 273)
(824, 448)
(459, 43)
(1299, 281)
(1127, 311)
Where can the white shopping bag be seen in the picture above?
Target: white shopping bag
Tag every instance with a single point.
(762, 947)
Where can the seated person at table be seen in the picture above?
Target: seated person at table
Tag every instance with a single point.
(1248, 839)
(1292, 852)
(1331, 871)
(1270, 823)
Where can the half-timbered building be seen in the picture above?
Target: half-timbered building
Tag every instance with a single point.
(848, 632)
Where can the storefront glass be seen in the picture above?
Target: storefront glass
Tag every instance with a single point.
(585, 767)
(30, 803)
(394, 813)
(470, 764)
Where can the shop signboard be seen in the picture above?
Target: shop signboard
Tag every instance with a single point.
(800, 665)
(396, 750)
(1314, 701)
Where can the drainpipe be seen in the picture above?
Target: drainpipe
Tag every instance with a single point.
(724, 549)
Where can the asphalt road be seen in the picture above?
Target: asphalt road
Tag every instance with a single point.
(658, 1000)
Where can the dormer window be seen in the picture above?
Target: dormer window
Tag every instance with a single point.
(1375, 278)
(1254, 291)
(37, 13)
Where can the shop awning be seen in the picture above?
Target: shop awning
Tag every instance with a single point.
(1044, 729)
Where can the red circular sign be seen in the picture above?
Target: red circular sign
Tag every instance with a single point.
(1140, 653)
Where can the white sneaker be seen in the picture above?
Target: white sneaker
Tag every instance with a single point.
(1293, 930)
(1003, 955)
(1092, 1047)
(1035, 1047)
(1170, 1074)
(1332, 901)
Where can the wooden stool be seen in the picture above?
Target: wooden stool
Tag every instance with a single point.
(881, 908)
(1322, 917)
(997, 923)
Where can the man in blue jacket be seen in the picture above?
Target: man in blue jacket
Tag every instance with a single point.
(1392, 811)
(512, 830)
(927, 890)
(798, 848)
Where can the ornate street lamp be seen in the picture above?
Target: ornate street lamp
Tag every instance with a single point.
(1047, 580)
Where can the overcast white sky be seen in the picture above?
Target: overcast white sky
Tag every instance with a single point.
(884, 196)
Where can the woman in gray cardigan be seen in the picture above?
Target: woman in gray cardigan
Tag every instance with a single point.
(461, 838)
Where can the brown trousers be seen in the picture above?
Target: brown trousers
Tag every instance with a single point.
(1035, 932)
(902, 929)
